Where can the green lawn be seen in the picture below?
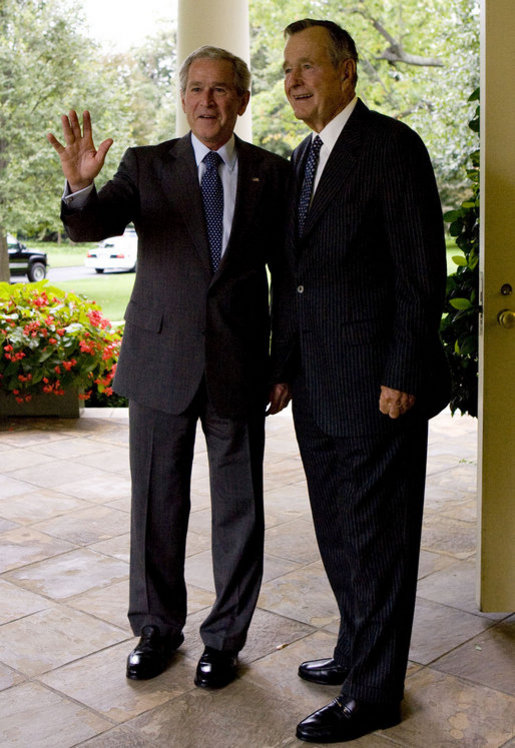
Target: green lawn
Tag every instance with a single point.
(111, 291)
(63, 255)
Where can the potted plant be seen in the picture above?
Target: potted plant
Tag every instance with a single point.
(54, 347)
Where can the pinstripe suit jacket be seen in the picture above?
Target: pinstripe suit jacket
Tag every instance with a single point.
(368, 282)
(183, 322)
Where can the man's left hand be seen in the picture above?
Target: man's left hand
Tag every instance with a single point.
(395, 403)
(279, 398)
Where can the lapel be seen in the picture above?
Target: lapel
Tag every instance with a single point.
(180, 182)
(339, 166)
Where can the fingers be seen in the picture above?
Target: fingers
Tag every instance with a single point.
(395, 403)
(103, 148)
(280, 396)
(54, 142)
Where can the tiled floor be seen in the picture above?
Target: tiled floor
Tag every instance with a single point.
(64, 638)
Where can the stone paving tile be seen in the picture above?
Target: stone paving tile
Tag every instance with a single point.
(38, 505)
(293, 541)
(438, 628)
(24, 545)
(120, 737)
(117, 547)
(106, 603)
(48, 639)
(454, 586)
(487, 659)
(18, 603)
(99, 682)
(304, 595)
(453, 537)
(69, 574)
(230, 717)
(31, 715)
(453, 713)
(86, 526)
(9, 677)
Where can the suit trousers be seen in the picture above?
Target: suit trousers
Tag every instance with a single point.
(161, 457)
(367, 494)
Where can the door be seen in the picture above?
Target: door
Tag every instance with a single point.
(496, 456)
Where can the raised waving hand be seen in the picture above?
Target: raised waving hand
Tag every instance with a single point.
(80, 160)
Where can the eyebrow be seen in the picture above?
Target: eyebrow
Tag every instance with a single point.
(215, 83)
(287, 63)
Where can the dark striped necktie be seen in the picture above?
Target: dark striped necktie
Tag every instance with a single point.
(307, 184)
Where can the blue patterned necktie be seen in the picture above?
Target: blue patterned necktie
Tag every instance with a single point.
(213, 197)
(307, 184)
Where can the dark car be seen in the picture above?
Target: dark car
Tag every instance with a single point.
(25, 261)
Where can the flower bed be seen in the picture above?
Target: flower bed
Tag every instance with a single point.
(52, 341)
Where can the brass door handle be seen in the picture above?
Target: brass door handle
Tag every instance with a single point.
(506, 318)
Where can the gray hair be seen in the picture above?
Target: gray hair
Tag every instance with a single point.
(342, 46)
(241, 71)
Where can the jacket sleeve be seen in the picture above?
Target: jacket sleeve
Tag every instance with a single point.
(415, 243)
(107, 212)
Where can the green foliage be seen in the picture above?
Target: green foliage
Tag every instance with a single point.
(459, 327)
(47, 66)
(51, 340)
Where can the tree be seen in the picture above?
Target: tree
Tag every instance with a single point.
(47, 66)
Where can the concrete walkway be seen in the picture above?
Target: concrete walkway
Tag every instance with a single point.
(64, 638)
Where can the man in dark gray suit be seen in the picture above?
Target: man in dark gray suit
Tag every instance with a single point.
(209, 211)
(367, 255)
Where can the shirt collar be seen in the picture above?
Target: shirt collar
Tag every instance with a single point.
(331, 132)
(227, 152)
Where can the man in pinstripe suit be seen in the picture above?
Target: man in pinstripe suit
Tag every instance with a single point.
(362, 350)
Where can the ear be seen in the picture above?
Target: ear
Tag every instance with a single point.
(183, 104)
(244, 102)
(348, 70)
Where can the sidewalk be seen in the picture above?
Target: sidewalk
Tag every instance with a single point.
(64, 638)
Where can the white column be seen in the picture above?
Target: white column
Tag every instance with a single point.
(219, 23)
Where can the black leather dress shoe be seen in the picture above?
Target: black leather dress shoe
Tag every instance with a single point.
(343, 720)
(216, 669)
(325, 672)
(153, 653)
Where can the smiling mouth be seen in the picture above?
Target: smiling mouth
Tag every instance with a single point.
(301, 97)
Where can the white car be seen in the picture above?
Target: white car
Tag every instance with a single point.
(116, 253)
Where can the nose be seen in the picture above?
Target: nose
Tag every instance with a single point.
(207, 96)
(293, 77)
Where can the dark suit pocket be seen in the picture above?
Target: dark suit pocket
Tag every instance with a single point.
(363, 331)
(144, 317)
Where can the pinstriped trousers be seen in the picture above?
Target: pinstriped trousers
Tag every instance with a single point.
(161, 456)
(367, 495)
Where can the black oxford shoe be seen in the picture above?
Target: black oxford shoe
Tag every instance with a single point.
(216, 669)
(153, 653)
(325, 672)
(346, 719)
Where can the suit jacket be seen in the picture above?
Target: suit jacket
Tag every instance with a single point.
(368, 279)
(183, 322)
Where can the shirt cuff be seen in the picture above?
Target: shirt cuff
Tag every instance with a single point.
(76, 199)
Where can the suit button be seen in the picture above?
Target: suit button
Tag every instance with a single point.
(300, 289)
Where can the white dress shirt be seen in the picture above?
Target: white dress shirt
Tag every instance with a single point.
(329, 135)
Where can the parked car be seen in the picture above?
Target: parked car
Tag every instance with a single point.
(26, 261)
(116, 253)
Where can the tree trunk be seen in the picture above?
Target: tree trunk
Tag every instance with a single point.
(5, 275)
